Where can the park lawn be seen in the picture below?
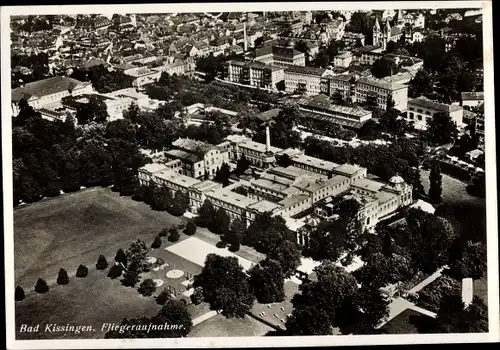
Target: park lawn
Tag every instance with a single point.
(91, 301)
(219, 326)
(75, 229)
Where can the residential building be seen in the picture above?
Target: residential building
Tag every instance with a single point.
(353, 40)
(48, 93)
(472, 99)
(320, 107)
(421, 110)
(343, 59)
(178, 67)
(254, 74)
(280, 55)
(142, 76)
(198, 193)
(383, 91)
(304, 80)
(255, 152)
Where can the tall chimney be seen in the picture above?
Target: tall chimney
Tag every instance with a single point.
(268, 139)
(245, 35)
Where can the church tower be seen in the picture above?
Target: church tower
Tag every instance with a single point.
(386, 34)
(376, 33)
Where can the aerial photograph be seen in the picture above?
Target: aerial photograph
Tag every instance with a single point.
(248, 174)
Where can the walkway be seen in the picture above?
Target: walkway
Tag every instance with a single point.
(204, 317)
(398, 305)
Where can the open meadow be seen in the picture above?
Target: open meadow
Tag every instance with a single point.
(75, 229)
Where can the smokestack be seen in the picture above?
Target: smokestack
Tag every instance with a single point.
(268, 139)
(245, 35)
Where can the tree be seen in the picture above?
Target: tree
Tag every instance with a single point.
(471, 262)
(174, 235)
(41, 286)
(190, 228)
(235, 234)
(147, 287)
(380, 271)
(163, 297)
(225, 286)
(19, 294)
(284, 160)
(132, 113)
(180, 203)
(121, 257)
(288, 255)
(441, 129)
(267, 282)
(130, 278)
(267, 232)
(384, 67)
(454, 317)
(318, 300)
(82, 271)
(156, 243)
(222, 175)
(174, 312)
(206, 214)
(242, 165)
(101, 264)
(197, 296)
(62, 278)
(435, 189)
(93, 111)
(430, 298)
(162, 198)
(221, 223)
(115, 271)
(137, 255)
(421, 85)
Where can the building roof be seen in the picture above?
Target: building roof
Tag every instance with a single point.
(324, 102)
(292, 200)
(206, 185)
(176, 178)
(426, 103)
(46, 87)
(349, 169)
(476, 96)
(314, 162)
(232, 198)
(380, 83)
(367, 184)
(264, 206)
(306, 70)
(267, 115)
(192, 146)
(153, 167)
(183, 155)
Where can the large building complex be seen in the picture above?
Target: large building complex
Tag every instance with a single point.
(280, 55)
(305, 80)
(309, 187)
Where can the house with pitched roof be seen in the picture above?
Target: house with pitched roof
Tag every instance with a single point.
(48, 93)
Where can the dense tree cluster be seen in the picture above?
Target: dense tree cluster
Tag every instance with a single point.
(160, 198)
(38, 63)
(102, 79)
(226, 286)
(281, 129)
(72, 157)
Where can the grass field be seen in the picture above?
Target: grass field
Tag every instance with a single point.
(92, 301)
(75, 229)
(402, 324)
(219, 326)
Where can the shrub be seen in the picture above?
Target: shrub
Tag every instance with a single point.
(82, 271)
(197, 296)
(130, 278)
(19, 294)
(190, 228)
(62, 278)
(174, 235)
(102, 263)
(156, 242)
(147, 287)
(159, 262)
(114, 272)
(41, 286)
(221, 244)
(164, 297)
(234, 247)
(121, 257)
(163, 233)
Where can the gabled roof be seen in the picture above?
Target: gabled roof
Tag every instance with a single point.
(45, 87)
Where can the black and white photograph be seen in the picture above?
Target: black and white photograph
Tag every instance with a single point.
(249, 174)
